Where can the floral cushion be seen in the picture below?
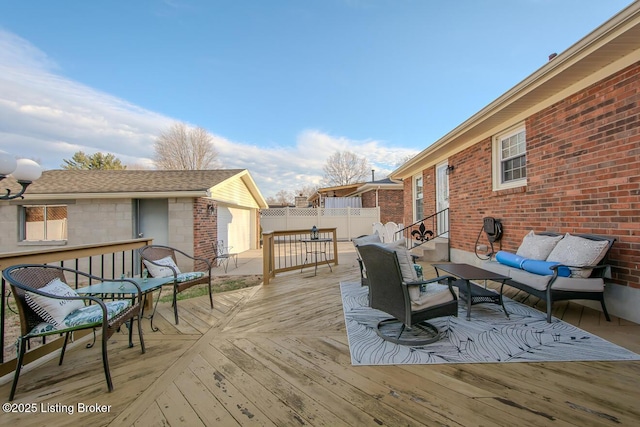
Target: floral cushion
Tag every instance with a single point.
(185, 277)
(53, 310)
(90, 315)
(159, 270)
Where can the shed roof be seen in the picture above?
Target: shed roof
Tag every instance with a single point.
(132, 183)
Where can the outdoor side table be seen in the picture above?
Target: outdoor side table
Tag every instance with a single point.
(124, 288)
(470, 292)
(315, 248)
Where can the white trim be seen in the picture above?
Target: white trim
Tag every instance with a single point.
(414, 196)
(496, 159)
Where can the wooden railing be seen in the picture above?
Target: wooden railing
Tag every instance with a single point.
(108, 260)
(284, 251)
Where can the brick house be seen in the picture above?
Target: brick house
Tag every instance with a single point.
(560, 151)
(384, 193)
(188, 210)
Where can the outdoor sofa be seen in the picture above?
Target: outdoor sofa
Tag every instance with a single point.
(556, 267)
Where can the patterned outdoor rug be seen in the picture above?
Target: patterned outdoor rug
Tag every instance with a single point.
(488, 338)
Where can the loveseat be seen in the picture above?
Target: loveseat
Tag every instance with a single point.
(556, 267)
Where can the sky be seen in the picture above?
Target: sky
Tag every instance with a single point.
(279, 84)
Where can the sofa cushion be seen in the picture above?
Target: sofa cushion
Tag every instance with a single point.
(537, 246)
(577, 251)
(594, 284)
(535, 281)
(496, 267)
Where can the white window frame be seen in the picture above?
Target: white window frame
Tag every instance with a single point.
(497, 160)
(61, 225)
(415, 197)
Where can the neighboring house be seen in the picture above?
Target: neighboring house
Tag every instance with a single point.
(559, 151)
(386, 194)
(188, 210)
(317, 199)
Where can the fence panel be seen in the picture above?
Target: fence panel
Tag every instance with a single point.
(349, 222)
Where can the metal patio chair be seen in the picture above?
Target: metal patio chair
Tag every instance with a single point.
(160, 261)
(47, 306)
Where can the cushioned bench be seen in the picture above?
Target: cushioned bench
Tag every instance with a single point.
(556, 267)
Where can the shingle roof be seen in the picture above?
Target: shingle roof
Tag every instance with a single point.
(125, 181)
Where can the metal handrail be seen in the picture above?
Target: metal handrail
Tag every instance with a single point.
(422, 233)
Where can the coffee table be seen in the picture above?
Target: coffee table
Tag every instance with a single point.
(472, 293)
(125, 287)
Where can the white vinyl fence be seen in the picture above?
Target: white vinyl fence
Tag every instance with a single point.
(349, 222)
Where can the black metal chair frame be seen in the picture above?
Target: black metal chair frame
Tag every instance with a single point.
(153, 253)
(38, 276)
(389, 292)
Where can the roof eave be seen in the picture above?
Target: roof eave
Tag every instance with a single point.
(594, 43)
(115, 195)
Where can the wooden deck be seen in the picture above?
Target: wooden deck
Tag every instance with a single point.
(278, 355)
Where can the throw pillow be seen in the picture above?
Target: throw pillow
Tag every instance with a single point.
(537, 246)
(160, 271)
(409, 273)
(577, 251)
(53, 310)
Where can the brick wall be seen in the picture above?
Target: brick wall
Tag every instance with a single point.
(390, 202)
(391, 206)
(583, 167)
(205, 228)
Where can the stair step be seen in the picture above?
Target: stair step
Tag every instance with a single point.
(433, 250)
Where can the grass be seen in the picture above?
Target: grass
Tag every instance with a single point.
(218, 284)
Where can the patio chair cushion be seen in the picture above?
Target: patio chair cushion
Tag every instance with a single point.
(577, 251)
(83, 317)
(409, 273)
(159, 271)
(537, 246)
(185, 277)
(53, 310)
(435, 294)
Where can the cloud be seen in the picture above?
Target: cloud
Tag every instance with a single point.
(47, 117)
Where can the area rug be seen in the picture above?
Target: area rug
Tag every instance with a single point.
(488, 338)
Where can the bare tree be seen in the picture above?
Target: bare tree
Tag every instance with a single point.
(284, 197)
(307, 191)
(345, 167)
(185, 148)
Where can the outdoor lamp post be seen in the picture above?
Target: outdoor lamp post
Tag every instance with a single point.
(314, 233)
(25, 171)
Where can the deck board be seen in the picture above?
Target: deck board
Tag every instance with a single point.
(278, 355)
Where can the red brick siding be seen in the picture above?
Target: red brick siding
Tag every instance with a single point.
(205, 228)
(390, 202)
(369, 199)
(583, 163)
